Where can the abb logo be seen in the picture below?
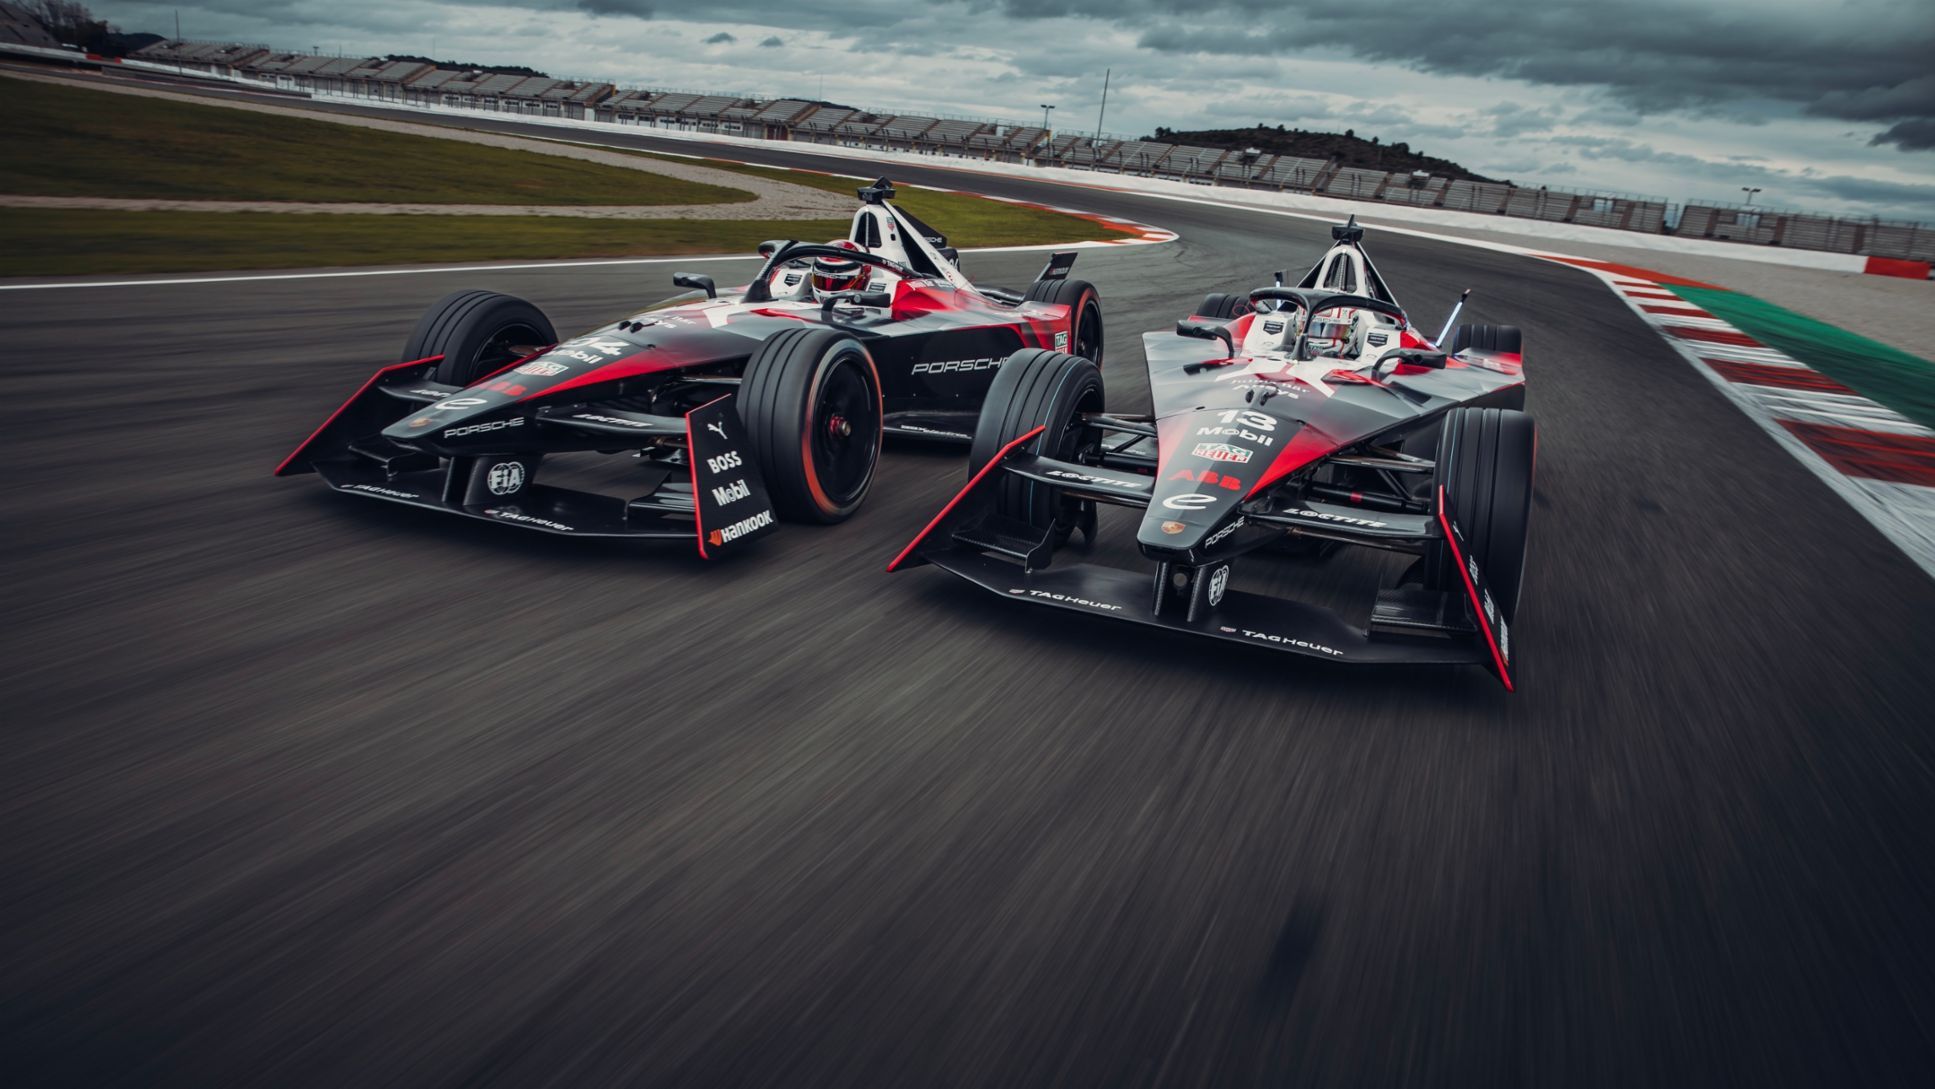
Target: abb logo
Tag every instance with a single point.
(1208, 477)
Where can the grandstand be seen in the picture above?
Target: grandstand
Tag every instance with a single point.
(424, 85)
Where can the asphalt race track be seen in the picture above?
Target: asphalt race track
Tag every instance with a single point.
(303, 790)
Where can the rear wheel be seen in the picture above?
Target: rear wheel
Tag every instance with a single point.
(1485, 458)
(1217, 304)
(810, 400)
(1085, 313)
(1485, 338)
(1038, 388)
(478, 333)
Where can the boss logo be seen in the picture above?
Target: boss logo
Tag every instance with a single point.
(720, 463)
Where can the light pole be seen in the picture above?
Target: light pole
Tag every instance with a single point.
(1750, 190)
(1045, 107)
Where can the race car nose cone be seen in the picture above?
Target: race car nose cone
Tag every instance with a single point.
(464, 416)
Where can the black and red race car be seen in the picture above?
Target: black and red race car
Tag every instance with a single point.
(1292, 418)
(767, 405)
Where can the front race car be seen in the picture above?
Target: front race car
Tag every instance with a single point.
(1311, 419)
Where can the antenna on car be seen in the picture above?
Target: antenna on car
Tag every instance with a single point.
(1453, 317)
(879, 192)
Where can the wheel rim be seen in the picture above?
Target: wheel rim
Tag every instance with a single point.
(500, 349)
(1088, 333)
(845, 430)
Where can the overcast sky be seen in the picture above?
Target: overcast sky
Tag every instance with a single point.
(1825, 104)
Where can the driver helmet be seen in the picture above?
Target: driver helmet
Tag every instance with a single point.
(833, 274)
(1328, 331)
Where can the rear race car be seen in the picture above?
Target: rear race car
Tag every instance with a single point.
(1292, 418)
(766, 405)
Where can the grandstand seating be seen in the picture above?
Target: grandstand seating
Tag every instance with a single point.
(422, 84)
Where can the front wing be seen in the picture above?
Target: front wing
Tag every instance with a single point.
(1412, 627)
(717, 498)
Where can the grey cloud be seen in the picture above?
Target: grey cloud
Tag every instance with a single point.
(1860, 60)
(721, 38)
(773, 42)
(1918, 135)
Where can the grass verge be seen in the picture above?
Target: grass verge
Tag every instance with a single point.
(966, 220)
(70, 142)
(79, 243)
(89, 242)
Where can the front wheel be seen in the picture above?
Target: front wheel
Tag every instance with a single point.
(1485, 458)
(810, 401)
(1038, 388)
(478, 333)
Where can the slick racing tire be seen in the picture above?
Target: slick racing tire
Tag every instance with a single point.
(478, 333)
(810, 402)
(1485, 338)
(1085, 310)
(1485, 459)
(1038, 388)
(1216, 304)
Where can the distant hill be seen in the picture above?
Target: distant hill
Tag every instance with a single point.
(1351, 148)
(465, 66)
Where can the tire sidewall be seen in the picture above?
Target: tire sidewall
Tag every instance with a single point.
(460, 325)
(1486, 465)
(1035, 388)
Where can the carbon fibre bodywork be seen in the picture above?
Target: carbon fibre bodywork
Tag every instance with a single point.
(1248, 450)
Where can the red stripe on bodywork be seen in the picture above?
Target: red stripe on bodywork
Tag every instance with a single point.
(514, 363)
(993, 463)
(1713, 336)
(1872, 455)
(367, 386)
(1471, 590)
(1766, 374)
(1304, 447)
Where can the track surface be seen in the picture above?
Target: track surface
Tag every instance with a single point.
(306, 790)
